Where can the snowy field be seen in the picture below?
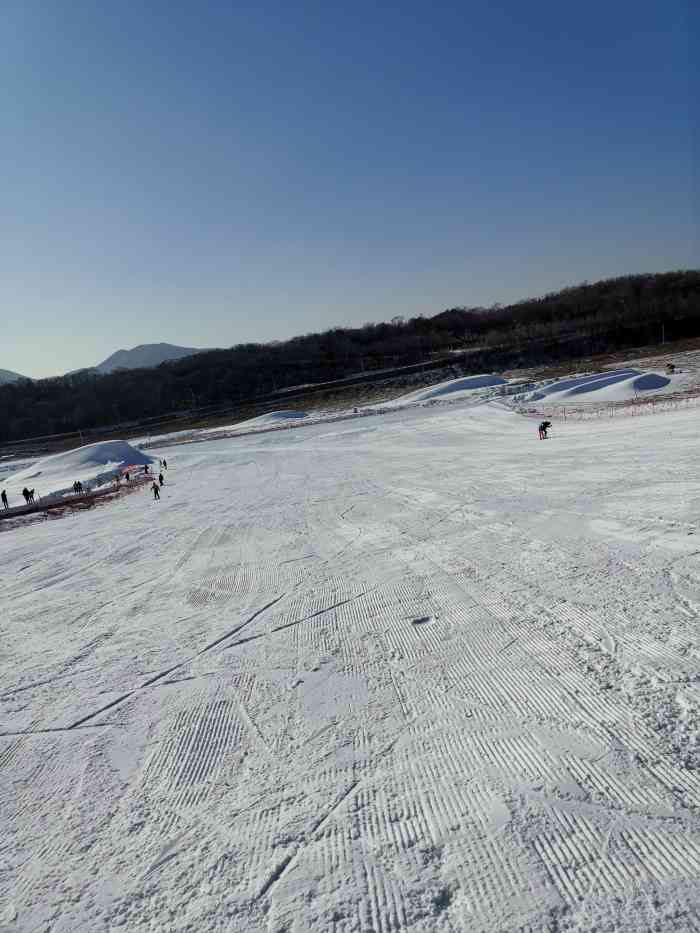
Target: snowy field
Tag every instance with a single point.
(576, 392)
(418, 672)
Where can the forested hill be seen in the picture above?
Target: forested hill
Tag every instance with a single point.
(578, 321)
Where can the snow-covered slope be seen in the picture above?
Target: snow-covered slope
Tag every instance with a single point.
(452, 389)
(434, 675)
(145, 355)
(270, 419)
(6, 375)
(612, 386)
(91, 464)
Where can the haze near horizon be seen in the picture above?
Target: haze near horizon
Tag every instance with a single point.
(206, 175)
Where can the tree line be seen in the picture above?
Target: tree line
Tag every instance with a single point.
(578, 321)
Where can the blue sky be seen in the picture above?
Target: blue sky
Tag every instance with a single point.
(210, 173)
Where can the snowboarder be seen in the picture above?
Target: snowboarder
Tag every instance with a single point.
(156, 492)
(160, 479)
(4, 500)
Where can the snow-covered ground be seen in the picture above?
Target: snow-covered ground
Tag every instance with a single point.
(92, 464)
(577, 391)
(271, 419)
(620, 385)
(462, 387)
(424, 672)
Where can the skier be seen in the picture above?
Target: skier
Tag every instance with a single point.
(156, 492)
(4, 500)
(160, 479)
(544, 426)
(25, 493)
(165, 464)
(31, 495)
(145, 470)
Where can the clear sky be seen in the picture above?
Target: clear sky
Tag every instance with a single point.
(207, 173)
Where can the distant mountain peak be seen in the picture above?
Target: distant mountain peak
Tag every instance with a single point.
(144, 356)
(6, 375)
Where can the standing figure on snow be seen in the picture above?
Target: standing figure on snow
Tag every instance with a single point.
(4, 500)
(25, 493)
(165, 464)
(31, 495)
(126, 476)
(544, 426)
(156, 491)
(160, 479)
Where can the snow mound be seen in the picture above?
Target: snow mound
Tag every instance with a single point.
(455, 388)
(92, 464)
(615, 386)
(262, 421)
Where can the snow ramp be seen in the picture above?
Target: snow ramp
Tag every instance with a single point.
(452, 388)
(616, 386)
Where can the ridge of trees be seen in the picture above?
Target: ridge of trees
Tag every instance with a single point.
(628, 311)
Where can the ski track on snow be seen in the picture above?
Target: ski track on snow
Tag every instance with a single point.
(439, 676)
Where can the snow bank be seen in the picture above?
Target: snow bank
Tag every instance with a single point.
(454, 388)
(93, 465)
(615, 386)
(262, 421)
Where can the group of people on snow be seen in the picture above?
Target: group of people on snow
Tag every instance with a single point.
(79, 489)
(28, 494)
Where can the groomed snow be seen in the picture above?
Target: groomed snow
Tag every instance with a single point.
(431, 675)
(91, 464)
